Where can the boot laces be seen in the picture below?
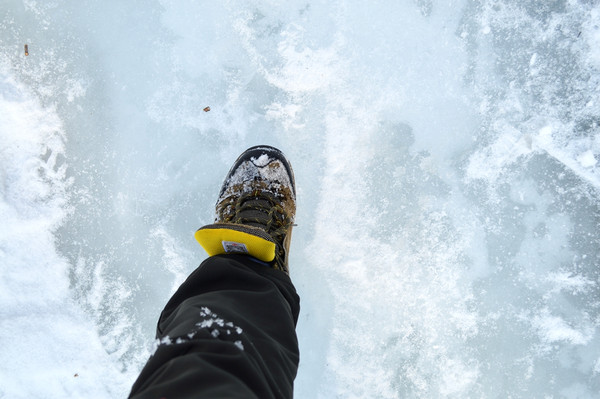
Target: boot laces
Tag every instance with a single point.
(263, 209)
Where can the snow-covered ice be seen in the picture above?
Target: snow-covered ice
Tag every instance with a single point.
(446, 162)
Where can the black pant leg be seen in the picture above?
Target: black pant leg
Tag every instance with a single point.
(228, 332)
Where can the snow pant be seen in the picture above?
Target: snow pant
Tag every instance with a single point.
(228, 332)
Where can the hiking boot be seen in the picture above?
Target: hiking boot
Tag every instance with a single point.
(255, 210)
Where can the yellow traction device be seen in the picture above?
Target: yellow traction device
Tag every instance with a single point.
(229, 238)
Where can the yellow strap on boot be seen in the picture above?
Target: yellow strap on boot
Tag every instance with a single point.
(229, 238)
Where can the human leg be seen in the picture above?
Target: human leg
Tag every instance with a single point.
(229, 331)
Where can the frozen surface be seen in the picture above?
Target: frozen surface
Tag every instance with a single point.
(50, 347)
(446, 160)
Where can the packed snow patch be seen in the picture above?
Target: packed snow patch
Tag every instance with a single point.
(48, 338)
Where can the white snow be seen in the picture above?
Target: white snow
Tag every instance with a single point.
(50, 348)
(446, 162)
(261, 161)
(553, 329)
(587, 159)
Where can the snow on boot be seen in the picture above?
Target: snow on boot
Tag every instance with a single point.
(255, 210)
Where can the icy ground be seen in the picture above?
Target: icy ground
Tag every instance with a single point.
(447, 163)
